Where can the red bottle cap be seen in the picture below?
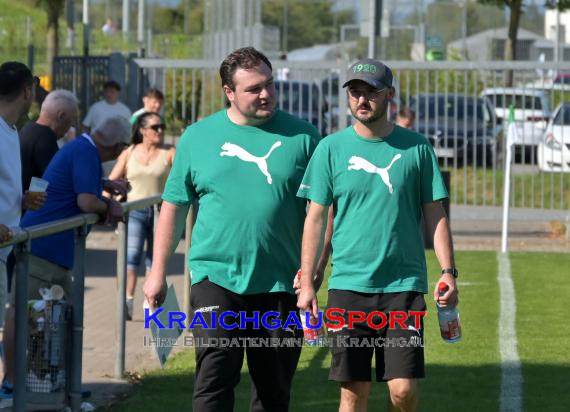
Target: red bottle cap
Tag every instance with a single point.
(442, 287)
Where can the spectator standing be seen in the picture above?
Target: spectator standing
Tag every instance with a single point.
(405, 118)
(145, 165)
(38, 140)
(110, 106)
(109, 27)
(75, 187)
(16, 97)
(152, 102)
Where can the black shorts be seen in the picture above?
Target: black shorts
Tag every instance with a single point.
(218, 369)
(399, 352)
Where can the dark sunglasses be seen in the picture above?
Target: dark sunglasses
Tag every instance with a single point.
(157, 127)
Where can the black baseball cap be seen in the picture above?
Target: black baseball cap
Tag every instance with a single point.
(370, 71)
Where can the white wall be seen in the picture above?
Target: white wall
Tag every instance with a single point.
(550, 25)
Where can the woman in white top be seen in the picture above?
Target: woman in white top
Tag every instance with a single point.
(146, 165)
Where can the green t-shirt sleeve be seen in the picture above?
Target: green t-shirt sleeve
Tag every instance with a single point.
(432, 184)
(317, 181)
(179, 189)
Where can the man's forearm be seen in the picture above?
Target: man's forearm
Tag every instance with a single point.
(168, 232)
(326, 251)
(438, 227)
(89, 203)
(443, 244)
(313, 234)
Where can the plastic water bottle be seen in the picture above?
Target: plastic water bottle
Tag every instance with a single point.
(449, 323)
(312, 336)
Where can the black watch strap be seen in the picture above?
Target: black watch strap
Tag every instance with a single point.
(452, 271)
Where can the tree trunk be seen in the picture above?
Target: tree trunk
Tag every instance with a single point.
(511, 43)
(54, 9)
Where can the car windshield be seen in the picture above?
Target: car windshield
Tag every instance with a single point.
(562, 116)
(504, 101)
(460, 109)
(297, 95)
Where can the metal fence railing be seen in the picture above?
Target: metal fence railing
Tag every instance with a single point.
(21, 242)
(461, 107)
(80, 224)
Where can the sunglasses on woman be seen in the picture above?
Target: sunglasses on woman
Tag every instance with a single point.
(157, 127)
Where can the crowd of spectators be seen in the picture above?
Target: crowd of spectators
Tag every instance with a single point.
(72, 170)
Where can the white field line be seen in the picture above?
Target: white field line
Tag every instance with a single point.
(511, 375)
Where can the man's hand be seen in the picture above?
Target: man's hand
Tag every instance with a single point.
(154, 289)
(5, 234)
(33, 200)
(119, 188)
(307, 302)
(318, 278)
(114, 212)
(450, 297)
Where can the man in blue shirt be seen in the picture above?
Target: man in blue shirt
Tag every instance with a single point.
(75, 187)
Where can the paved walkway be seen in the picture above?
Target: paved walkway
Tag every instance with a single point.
(99, 347)
(472, 231)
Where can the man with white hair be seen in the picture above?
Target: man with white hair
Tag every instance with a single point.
(38, 140)
(75, 187)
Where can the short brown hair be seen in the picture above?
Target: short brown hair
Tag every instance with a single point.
(244, 58)
(154, 93)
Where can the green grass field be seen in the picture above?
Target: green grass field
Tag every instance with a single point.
(465, 376)
(477, 186)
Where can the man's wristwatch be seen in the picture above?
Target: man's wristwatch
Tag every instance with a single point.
(452, 271)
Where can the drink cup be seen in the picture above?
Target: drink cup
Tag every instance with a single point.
(38, 185)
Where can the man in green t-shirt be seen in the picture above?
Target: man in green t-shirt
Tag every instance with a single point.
(243, 166)
(380, 179)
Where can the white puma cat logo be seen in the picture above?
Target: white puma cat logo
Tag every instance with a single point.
(233, 150)
(358, 163)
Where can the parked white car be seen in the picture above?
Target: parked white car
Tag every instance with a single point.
(531, 110)
(554, 149)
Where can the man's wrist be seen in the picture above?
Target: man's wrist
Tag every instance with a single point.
(452, 270)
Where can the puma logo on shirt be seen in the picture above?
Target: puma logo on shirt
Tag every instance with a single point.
(358, 163)
(233, 150)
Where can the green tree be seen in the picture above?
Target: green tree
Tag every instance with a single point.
(168, 19)
(517, 8)
(309, 22)
(533, 19)
(444, 20)
(54, 9)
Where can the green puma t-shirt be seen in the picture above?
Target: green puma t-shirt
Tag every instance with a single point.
(377, 188)
(247, 236)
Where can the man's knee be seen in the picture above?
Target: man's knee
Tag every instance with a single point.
(403, 392)
(353, 393)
